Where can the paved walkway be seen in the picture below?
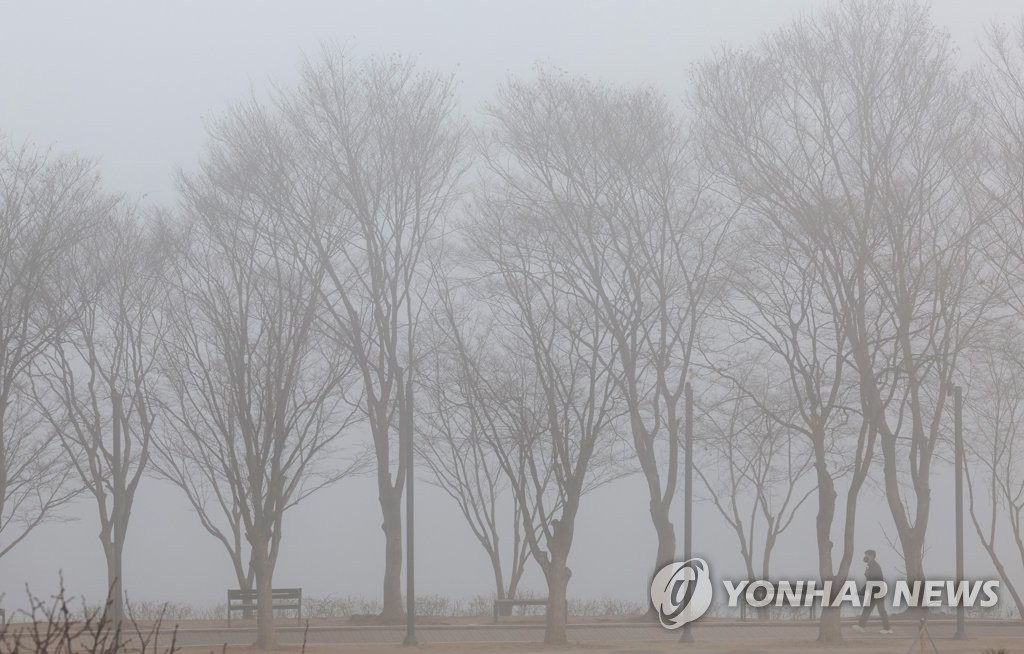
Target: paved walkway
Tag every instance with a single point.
(601, 633)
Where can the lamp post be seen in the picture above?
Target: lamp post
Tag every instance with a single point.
(687, 636)
(405, 432)
(958, 462)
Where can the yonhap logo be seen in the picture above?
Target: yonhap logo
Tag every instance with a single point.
(681, 592)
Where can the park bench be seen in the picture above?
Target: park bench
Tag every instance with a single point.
(284, 599)
(498, 603)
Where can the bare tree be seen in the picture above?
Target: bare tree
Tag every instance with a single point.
(852, 135)
(456, 444)
(556, 397)
(995, 474)
(47, 206)
(637, 241)
(549, 402)
(755, 470)
(995, 401)
(1002, 92)
(380, 147)
(778, 315)
(259, 395)
(97, 386)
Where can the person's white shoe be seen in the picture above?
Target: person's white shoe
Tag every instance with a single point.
(859, 629)
(890, 630)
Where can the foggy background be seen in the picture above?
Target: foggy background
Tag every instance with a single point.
(131, 84)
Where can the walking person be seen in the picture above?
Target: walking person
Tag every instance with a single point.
(873, 572)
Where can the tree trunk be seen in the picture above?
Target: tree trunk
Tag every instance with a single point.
(512, 590)
(829, 628)
(1008, 583)
(115, 587)
(765, 612)
(265, 635)
(1011, 587)
(912, 547)
(557, 576)
(666, 536)
(909, 535)
(499, 584)
(666, 533)
(245, 584)
(116, 526)
(391, 507)
(913, 555)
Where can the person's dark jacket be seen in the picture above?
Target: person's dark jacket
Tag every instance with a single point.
(873, 572)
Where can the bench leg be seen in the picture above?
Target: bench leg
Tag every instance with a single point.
(495, 613)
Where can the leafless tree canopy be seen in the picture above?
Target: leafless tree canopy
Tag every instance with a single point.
(824, 238)
(381, 145)
(459, 426)
(48, 206)
(98, 383)
(850, 138)
(258, 394)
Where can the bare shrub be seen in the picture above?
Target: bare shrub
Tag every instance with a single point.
(54, 627)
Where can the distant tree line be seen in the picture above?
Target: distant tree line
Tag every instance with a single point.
(823, 240)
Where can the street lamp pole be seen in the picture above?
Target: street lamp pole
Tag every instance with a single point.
(405, 432)
(687, 636)
(958, 458)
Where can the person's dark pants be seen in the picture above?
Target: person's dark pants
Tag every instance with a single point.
(866, 613)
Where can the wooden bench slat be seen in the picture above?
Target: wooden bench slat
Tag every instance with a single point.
(522, 602)
(498, 603)
(281, 599)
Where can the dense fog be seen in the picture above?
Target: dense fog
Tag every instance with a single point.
(254, 256)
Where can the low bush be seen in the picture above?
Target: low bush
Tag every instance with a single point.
(56, 627)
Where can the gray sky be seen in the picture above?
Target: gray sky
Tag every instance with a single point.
(131, 84)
